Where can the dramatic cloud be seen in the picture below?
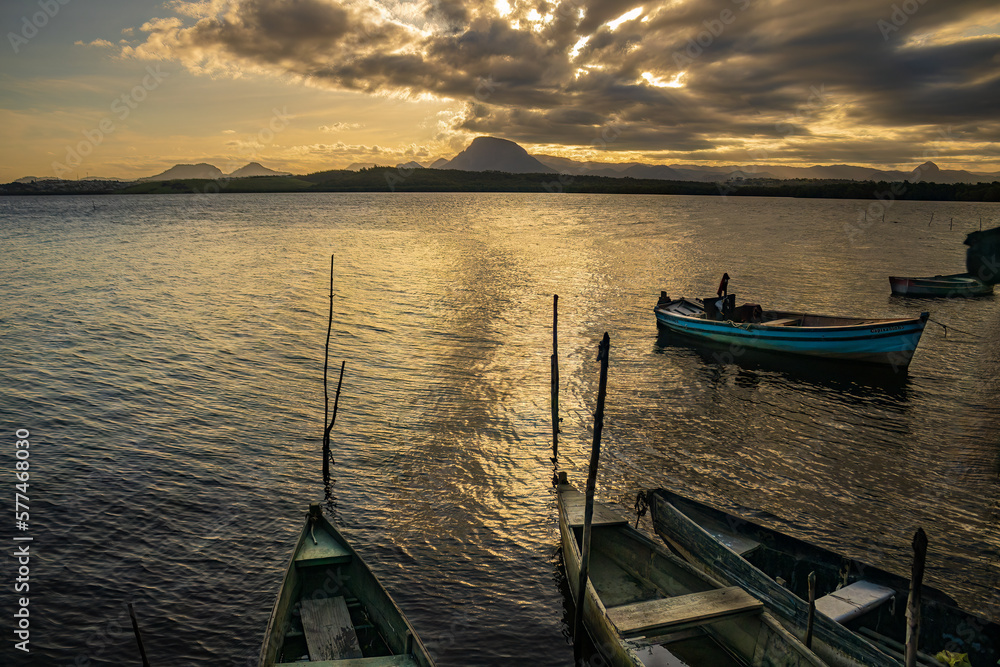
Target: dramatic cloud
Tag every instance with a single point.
(783, 79)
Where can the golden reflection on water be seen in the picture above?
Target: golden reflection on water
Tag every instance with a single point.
(193, 341)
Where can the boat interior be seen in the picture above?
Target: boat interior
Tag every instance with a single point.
(329, 619)
(667, 611)
(868, 600)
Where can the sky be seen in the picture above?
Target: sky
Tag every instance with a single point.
(128, 88)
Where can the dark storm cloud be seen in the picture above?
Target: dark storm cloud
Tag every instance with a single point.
(749, 69)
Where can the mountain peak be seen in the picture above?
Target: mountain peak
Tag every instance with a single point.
(495, 154)
(200, 170)
(256, 169)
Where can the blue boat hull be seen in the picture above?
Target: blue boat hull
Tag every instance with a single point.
(890, 342)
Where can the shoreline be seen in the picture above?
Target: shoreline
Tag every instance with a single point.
(391, 179)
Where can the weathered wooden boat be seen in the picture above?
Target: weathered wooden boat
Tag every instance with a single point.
(982, 258)
(958, 284)
(890, 341)
(333, 612)
(645, 606)
(860, 608)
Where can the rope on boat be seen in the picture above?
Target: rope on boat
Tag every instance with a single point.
(945, 327)
(641, 505)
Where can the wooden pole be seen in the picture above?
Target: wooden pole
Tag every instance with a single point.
(138, 637)
(932, 219)
(588, 511)
(555, 377)
(327, 458)
(913, 603)
(327, 425)
(812, 609)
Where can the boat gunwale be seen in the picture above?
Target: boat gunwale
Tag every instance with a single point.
(917, 322)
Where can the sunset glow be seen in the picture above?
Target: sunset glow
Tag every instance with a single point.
(128, 89)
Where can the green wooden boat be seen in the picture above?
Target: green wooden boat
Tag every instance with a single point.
(860, 607)
(333, 612)
(644, 606)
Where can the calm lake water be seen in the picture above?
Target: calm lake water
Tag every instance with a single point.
(166, 354)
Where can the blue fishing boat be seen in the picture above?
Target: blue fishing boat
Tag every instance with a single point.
(890, 341)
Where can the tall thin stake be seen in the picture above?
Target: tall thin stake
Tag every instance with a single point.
(138, 637)
(555, 377)
(327, 424)
(327, 457)
(811, 579)
(913, 603)
(588, 512)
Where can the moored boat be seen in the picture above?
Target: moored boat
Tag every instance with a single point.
(645, 606)
(890, 341)
(958, 284)
(331, 610)
(860, 608)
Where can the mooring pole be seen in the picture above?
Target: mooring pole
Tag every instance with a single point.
(138, 637)
(812, 609)
(327, 424)
(333, 420)
(555, 377)
(588, 511)
(913, 603)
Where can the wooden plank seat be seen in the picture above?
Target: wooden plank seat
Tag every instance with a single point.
(741, 544)
(682, 611)
(329, 631)
(851, 601)
(379, 661)
(781, 323)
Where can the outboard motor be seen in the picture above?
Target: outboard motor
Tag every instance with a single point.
(720, 308)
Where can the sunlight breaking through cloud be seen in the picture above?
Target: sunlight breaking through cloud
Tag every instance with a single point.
(681, 75)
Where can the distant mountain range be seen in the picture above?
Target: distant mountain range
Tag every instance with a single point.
(492, 154)
(204, 170)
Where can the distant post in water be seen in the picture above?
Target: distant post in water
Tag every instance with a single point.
(555, 377)
(588, 511)
(913, 604)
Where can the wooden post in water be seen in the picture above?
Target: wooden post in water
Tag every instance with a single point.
(812, 609)
(138, 637)
(932, 219)
(588, 510)
(327, 457)
(327, 425)
(913, 603)
(555, 377)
